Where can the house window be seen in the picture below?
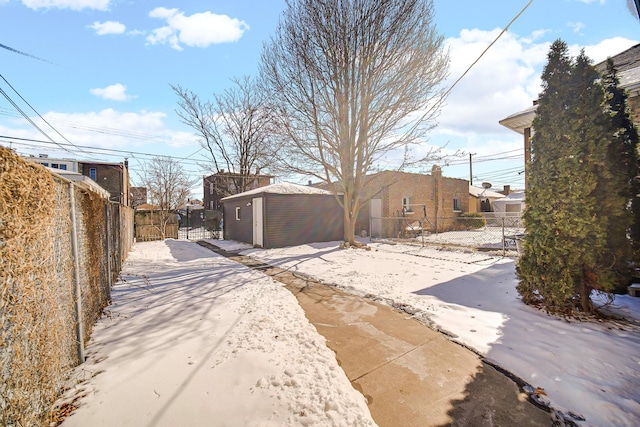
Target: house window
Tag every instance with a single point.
(211, 188)
(457, 206)
(407, 207)
(55, 166)
(238, 213)
(63, 167)
(45, 164)
(93, 174)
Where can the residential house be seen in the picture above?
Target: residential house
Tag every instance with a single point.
(223, 184)
(412, 197)
(113, 177)
(482, 199)
(627, 64)
(70, 165)
(280, 215)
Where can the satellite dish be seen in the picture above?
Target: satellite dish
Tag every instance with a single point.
(486, 185)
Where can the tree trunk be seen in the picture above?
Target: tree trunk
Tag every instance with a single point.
(349, 227)
(584, 298)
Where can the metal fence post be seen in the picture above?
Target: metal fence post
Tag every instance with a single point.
(76, 274)
(504, 248)
(107, 221)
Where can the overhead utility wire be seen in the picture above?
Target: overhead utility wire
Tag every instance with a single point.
(27, 118)
(102, 129)
(103, 151)
(448, 91)
(24, 53)
(34, 110)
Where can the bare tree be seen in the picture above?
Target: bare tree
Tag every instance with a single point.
(353, 82)
(234, 129)
(168, 187)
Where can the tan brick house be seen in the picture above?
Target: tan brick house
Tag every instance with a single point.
(412, 197)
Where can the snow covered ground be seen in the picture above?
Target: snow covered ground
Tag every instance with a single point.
(591, 369)
(194, 339)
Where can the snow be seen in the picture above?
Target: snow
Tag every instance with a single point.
(281, 188)
(589, 368)
(195, 339)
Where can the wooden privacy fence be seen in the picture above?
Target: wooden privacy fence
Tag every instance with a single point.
(155, 225)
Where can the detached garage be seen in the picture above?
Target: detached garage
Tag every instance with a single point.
(280, 215)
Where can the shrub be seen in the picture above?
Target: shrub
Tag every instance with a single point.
(472, 220)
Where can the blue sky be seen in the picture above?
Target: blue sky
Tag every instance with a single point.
(99, 71)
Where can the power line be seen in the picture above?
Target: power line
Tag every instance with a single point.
(98, 150)
(33, 109)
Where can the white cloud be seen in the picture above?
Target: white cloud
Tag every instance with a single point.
(108, 27)
(115, 92)
(606, 48)
(592, 1)
(67, 4)
(504, 81)
(576, 26)
(197, 30)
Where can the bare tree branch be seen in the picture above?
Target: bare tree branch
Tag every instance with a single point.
(168, 186)
(351, 83)
(234, 128)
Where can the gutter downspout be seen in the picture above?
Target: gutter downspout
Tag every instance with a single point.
(76, 273)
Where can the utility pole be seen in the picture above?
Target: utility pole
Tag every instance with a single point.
(470, 169)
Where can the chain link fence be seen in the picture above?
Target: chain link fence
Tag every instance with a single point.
(489, 231)
(61, 244)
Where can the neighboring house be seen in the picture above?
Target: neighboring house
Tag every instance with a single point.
(627, 64)
(113, 177)
(482, 199)
(223, 184)
(280, 215)
(412, 196)
(70, 165)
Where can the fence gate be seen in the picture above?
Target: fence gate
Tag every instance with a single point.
(198, 224)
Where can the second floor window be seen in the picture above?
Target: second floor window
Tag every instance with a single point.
(93, 174)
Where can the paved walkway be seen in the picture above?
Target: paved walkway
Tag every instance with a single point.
(410, 374)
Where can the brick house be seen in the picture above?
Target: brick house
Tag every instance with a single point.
(411, 197)
(627, 64)
(223, 184)
(113, 177)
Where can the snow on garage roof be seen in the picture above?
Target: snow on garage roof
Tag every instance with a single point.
(281, 188)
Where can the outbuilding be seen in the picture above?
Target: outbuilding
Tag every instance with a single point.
(284, 214)
(512, 205)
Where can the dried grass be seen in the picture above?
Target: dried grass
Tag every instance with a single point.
(38, 346)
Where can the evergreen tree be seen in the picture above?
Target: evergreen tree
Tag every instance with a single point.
(624, 155)
(570, 205)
